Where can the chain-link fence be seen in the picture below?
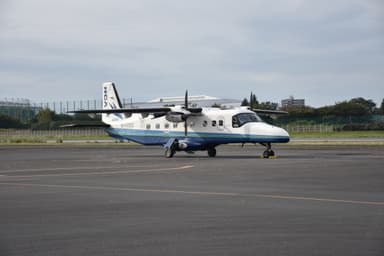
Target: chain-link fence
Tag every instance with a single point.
(25, 110)
(319, 128)
(24, 135)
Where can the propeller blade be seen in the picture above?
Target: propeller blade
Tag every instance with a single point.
(186, 107)
(185, 128)
(186, 100)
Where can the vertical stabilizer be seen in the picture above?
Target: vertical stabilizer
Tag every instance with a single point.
(111, 100)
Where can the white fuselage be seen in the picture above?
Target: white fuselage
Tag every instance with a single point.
(213, 126)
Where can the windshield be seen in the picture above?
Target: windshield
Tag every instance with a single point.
(243, 118)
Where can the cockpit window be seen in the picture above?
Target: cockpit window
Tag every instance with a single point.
(243, 118)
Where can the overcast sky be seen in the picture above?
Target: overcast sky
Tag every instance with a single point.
(323, 51)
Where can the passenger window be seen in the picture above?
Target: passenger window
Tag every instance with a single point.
(214, 123)
(221, 123)
(205, 123)
(148, 126)
(174, 125)
(166, 126)
(157, 126)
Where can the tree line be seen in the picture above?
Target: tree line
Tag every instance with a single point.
(355, 114)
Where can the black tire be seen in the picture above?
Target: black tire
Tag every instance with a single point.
(266, 154)
(169, 152)
(211, 152)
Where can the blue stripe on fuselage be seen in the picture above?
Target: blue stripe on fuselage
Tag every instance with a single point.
(197, 139)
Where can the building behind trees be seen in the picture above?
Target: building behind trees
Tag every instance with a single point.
(292, 102)
(18, 109)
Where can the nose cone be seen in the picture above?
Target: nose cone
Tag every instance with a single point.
(269, 133)
(283, 134)
(278, 134)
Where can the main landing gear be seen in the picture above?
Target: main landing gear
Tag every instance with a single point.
(211, 152)
(171, 149)
(268, 152)
(169, 152)
(173, 146)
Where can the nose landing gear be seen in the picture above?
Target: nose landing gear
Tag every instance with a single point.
(268, 153)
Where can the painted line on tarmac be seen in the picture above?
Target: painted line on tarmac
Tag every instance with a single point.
(202, 193)
(100, 173)
(4, 173)
(122, 189)
(329, 200)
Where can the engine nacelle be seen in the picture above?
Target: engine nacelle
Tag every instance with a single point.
(182, 145)
(175, 117)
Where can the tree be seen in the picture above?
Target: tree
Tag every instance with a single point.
(10, 122)
(43, 119)
(45, 116)
(368, 104)
(381, 110)
(268, 105)
(245, 102)
(254, 103)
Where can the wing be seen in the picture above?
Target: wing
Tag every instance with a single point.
(269, 112)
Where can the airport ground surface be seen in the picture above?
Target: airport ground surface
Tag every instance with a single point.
(130, 200)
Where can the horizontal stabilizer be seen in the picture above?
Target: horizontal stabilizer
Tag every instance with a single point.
(123, 110)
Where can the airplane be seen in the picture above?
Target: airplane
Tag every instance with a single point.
(185, 128)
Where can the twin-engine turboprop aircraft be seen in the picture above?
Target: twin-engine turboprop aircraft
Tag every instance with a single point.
(185, 128)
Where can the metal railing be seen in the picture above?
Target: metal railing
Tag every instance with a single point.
(89, 132)
(319, 128)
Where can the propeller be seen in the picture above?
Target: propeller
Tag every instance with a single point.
(186, 107)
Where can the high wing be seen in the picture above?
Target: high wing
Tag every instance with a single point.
(269, 112)
(164, 110)
(140, 110)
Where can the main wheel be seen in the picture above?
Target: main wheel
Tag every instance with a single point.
(169, 152)
(211, 152)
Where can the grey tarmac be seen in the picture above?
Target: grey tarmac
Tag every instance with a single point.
(130, 200)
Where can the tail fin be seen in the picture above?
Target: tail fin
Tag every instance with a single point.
(111, 100)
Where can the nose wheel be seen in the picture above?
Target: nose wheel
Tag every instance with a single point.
(268, 152)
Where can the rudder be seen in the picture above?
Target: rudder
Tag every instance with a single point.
(111, 100)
